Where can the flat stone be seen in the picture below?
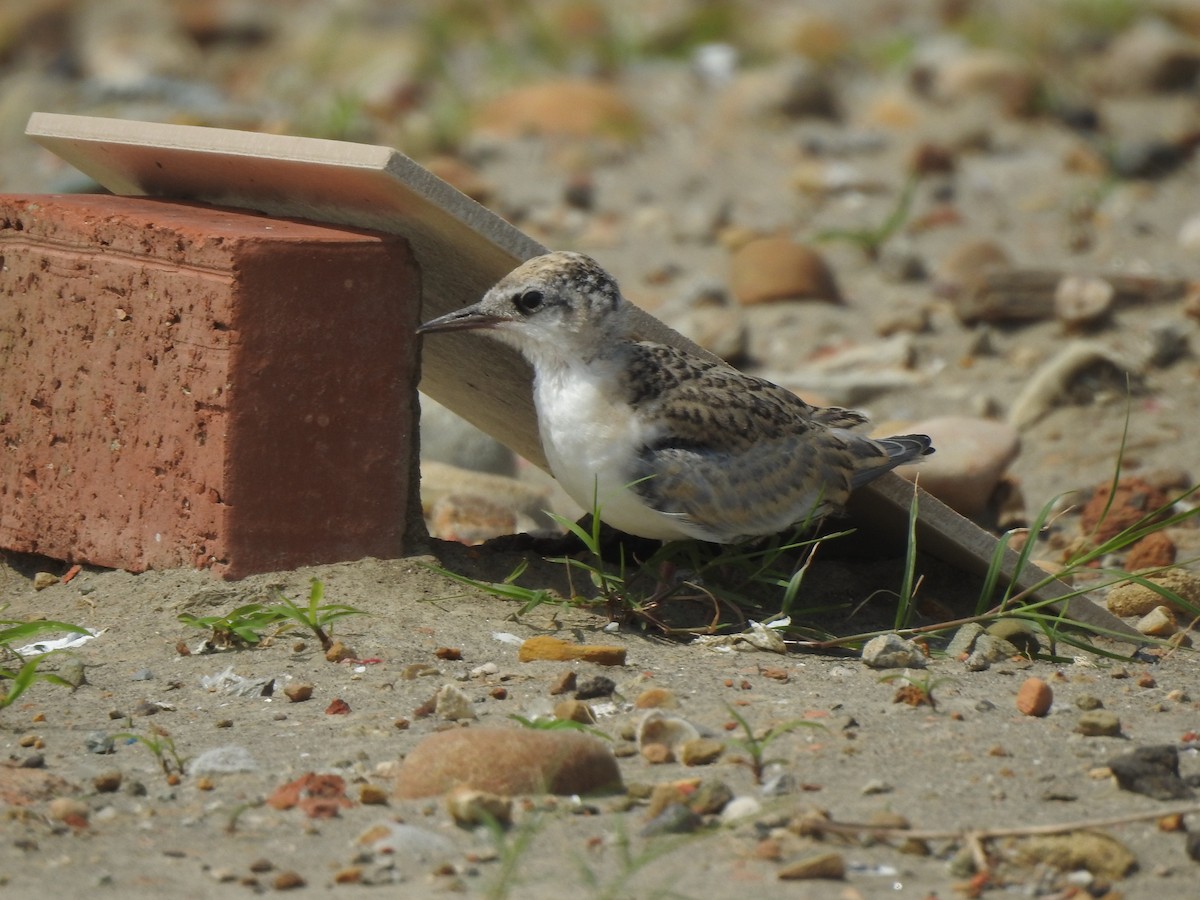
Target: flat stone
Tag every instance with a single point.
(824, 866)
(1153, 771)
(700, 751)
(1098, 723)
(544, 646)
(770, 269)
(1133, 599)
(508, 761)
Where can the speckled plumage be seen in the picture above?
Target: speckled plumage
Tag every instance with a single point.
(667, 444)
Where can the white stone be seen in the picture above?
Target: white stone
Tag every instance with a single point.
(890, 651)
(453, 704)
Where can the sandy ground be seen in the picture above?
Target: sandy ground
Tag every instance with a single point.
(970, 763)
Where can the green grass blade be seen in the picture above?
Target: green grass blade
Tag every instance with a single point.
(904, 609)
(1014, 578)
(13, 630)
(995, 567)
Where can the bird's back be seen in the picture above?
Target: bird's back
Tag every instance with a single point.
(736, 456)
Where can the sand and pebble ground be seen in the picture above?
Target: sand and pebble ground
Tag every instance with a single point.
(736, 167)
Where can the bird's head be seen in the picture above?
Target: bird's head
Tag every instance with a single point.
(556, 304)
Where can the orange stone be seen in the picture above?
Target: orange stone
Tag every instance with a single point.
(1034, 697)
(543, 646)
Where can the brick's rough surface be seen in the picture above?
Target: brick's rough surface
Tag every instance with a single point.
(187, 385)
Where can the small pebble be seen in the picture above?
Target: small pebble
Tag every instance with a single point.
(69, 810)
(596, 686)
(338, 652)
(1098, 723)
(740, 808)
(43, 580)
(675, 819)
(372, 795)
(656, 698)
(107, 782)
(72, 671)
(700, 751)
(99, 742)
(469, 807)
(146, 708)
(1018, 634)
(298, 691)
(574, 711)
(825, 866)
(564, 683)
(453, 705)
(142, 675)
(963, 640)
(992, 649)
(710, 797)
(890, 651)
(1159, 622)
(876, 786)
(1081, 301)
(1034, 697)
(287, 881)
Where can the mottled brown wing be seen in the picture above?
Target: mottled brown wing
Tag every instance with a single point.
(710, 404)
(734, 455)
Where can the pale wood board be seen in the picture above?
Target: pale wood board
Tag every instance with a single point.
(462, 248)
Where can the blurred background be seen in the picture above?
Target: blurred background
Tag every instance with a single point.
(428, 77)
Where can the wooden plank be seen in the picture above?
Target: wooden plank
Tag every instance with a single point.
(462, 249)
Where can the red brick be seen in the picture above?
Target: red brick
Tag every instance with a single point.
(189, 385)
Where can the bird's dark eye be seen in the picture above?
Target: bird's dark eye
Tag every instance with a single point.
(529, 302)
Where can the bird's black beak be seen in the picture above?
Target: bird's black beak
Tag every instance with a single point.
(461, 320)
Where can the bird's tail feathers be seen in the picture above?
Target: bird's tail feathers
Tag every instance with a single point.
(899, 449)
